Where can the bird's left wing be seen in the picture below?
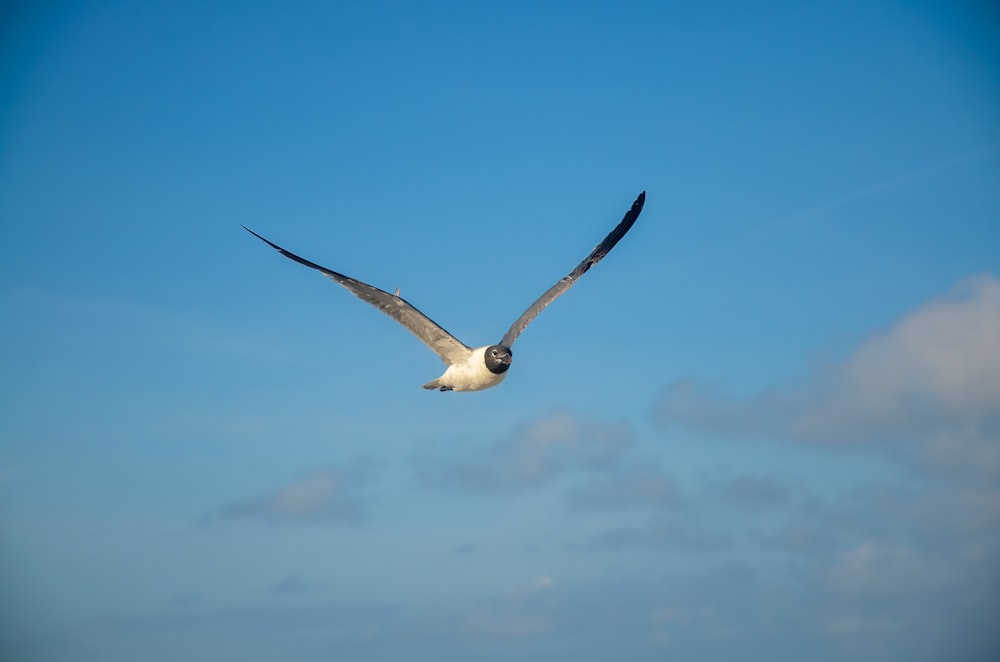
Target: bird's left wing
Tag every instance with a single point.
(567, 281)
(448, 347)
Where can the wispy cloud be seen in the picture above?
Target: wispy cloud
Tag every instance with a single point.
(185, 600)
(291, 585)
(167, 329)
(751, 492)
(894, 181)
(536, 453)
(926, 388)
(643, 488)
(716, 610)
(321, 495)
(524, 611)
(493, 622)
(853, 625)
(878, 570)
(665, 534)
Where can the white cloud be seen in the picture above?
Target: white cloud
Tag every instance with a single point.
(940, 365)
(934, 377)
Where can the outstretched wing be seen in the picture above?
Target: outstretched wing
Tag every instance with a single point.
(567, 281)
(448, 347)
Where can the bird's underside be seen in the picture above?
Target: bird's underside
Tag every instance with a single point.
(468, 369)
(473, 374)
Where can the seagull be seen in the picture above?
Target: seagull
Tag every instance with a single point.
(468, 369)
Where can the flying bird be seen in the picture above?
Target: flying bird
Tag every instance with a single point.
(469, 369)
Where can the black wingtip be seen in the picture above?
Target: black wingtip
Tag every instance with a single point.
(266, 241)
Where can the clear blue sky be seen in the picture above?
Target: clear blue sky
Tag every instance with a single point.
(766, 427)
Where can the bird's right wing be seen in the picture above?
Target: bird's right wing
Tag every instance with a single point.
(448, 347)
(567, 281)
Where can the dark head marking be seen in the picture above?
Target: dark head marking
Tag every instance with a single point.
(498, 359)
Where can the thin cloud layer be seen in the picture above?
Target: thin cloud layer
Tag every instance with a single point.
(890, 560)
(888, 570)
(291, 585)
(539, 451)
(320, 495)
(677, 535)
(752, 492)
(628, 489)
(935, 374)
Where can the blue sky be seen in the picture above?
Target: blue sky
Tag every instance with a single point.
(766, 427)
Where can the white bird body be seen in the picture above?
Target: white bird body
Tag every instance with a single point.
(469, 369)
(469, 375)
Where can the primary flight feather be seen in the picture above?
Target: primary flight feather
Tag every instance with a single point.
(469, 369)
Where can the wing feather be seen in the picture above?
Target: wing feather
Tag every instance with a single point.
(448, 347)
(567, 281)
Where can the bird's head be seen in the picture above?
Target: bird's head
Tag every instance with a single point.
(498, 359)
